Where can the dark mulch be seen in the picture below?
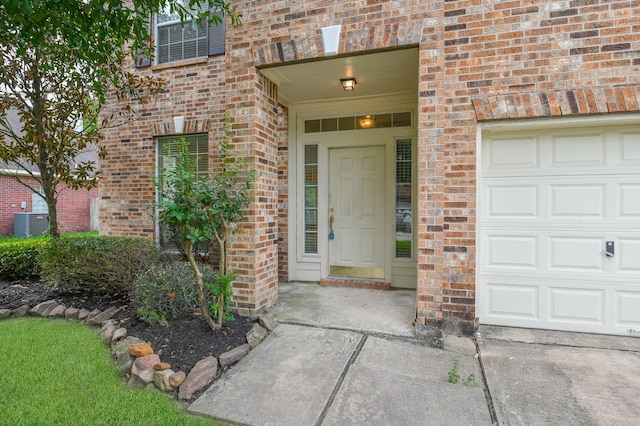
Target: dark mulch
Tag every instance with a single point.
(182, 342)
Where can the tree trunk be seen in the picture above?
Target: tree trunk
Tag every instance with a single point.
(201, 293)
(47, 178)
(51, 198)
(223, 272)
(53, 218)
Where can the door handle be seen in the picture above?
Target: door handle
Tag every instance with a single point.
(609, 250)
(331, 220)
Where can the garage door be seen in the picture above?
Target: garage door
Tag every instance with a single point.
(552, 203)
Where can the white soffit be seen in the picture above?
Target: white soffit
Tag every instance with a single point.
(376, 73)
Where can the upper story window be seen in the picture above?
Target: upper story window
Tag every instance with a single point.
(176, 41)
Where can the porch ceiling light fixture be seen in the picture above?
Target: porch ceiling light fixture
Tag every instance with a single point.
(348, 84)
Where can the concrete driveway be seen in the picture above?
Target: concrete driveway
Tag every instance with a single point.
(347, 357)
(538, 377)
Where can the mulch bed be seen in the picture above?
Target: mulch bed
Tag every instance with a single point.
(182, 342)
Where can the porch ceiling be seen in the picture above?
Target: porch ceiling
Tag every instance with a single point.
(376, 74)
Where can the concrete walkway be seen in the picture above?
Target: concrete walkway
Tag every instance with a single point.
(344, 357)
(314, 376)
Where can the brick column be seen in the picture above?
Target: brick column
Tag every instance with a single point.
(252, 106)
(431, 189)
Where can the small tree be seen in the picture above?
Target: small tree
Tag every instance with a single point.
(201, 210)
(59, 61)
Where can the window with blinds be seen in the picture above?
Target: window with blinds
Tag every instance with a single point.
(176, 41)
(167, 154)
(198, 151)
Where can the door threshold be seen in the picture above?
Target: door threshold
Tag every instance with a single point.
(367, 283)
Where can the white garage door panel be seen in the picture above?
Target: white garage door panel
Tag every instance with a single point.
(567, 305)
(503, 154)
(549, 203)
(512, 251)
(512, 201)
(576, 254)
(578, 200)
(560, 198)
(578, 150)
(559, 252)
(630, 149)
(514, 301)
(629, 196)
(629, 259)
(628, 308)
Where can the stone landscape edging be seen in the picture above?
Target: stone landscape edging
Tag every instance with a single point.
(136, 359)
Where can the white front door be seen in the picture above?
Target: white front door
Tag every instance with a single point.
(357, 205)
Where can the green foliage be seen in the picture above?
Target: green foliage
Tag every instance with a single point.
(221, 291)
(471, 380)
(150, 315)
(96, 264)
(61, 373)
(96, 32)
(19, 258)
(201, 250)
(201, 210)
(166, 290)
(58, 62)
(453, 376)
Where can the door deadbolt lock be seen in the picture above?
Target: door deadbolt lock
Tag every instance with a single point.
(609, 249)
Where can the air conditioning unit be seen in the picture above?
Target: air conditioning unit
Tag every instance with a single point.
(30, 224)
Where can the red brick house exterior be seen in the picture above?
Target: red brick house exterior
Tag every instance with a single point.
(73, 206)
(485, 72)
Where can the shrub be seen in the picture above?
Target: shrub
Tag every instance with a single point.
(96, 264)
(19, 258)
(165, 291)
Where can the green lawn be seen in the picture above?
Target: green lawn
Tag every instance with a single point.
(56, 372)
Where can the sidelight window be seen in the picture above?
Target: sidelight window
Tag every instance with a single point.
(311, 199)
(404, 209)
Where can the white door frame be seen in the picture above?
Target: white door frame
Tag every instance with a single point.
(313, 267)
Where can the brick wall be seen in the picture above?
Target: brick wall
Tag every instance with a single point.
(127, 188)
(74, 209)
(73, 206)
(520, 59)
(479, 60)
(11, 195)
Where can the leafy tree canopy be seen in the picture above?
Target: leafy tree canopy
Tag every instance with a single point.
(92, 33)
(59, 59)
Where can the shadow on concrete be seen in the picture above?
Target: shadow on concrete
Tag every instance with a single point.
(390, 312)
